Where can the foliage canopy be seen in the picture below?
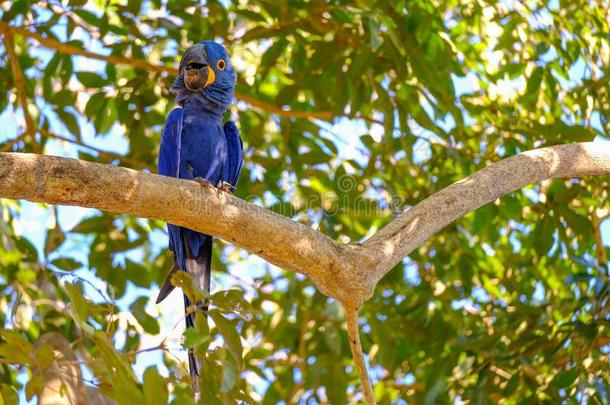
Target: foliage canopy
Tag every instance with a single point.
(350, 112)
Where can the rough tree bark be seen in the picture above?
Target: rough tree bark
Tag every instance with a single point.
(349, 272)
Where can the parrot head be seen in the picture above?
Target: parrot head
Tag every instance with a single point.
(206, 71)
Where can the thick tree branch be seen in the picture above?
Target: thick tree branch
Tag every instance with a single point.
(346, 272)
(414, 226)
(142, 64)
(334, 268)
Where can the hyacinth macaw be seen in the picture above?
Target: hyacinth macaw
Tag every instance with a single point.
(196, 146)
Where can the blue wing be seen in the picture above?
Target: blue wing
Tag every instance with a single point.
(235, 152)
(169, 150)
(168, 165)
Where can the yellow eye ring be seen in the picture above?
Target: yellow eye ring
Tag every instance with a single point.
(221, 65)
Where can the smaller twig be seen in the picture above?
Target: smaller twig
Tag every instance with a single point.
(358, 356)
(160, 346)
(63, 273)
(20, 85)
(57, 305)
(69, 49)
(101, 152)
(321, 115)
(78, 375)
(13, 142)
(500, 372)
(600, 251)
(301, 359)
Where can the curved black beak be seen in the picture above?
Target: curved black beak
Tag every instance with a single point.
(196, 69)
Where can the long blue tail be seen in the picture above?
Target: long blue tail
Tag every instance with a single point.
(200, 269)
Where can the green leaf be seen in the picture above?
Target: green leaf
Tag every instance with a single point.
(148, 322)
(88, 16)
(126, 392)
(155, 387)
(375, 38)
(194, 338)
(116, 363)
(18, 7)
(94, 224)
(183, 280)
(134, 6)
(26, 276)
(66, 264)
(543, 236)
(9, 395)
(16, 349)
(45, 356)
(230, 300)
(565, 378)
(94, 105)
(229, 377)
(271, 396)
(80, 306)
(137, 273)
(55, 237)
(34, 386)
(91, 80)
(231, 337)
(69, 121)
(579, 277)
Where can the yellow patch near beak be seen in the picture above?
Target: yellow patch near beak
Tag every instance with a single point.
(211, 77)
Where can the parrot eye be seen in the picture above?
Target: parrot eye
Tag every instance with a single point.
(221, 65)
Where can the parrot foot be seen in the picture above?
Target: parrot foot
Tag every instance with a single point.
(224, 186)
(203, 182)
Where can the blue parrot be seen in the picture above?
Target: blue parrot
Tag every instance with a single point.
(196, 146)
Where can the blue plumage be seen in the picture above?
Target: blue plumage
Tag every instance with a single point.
(235, 156)
(194, 144)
